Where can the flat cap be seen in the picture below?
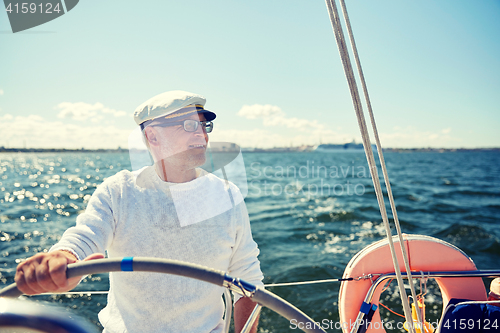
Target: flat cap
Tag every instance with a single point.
(167, 103)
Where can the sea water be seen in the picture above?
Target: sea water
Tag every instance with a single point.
(310, 213)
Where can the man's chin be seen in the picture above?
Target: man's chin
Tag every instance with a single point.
(197, 159)
(188, 159)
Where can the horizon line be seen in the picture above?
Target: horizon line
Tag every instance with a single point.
(246, 149)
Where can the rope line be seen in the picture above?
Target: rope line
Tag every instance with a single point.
(306, 282)
(344, 54)
(380, 154)
(397, 314)
(284, 284)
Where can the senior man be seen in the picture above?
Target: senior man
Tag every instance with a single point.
(172, 210)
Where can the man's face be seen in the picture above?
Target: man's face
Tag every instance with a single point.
(183, 149)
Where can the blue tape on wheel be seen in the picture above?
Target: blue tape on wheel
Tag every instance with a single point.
(365, 308)
(126, 264)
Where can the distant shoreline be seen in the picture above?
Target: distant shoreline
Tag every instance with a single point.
(246, 150)
(60, 150)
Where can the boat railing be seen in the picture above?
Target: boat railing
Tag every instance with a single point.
(241, 287)
(445, 274)
(382, 278)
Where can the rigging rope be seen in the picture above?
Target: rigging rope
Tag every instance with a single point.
(380, 154)
(344, 54)
(284, 284)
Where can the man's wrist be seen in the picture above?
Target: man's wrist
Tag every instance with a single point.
(73, 255)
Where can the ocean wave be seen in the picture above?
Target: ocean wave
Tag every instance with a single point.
(471, 238)
(340, 216)
(457, 193)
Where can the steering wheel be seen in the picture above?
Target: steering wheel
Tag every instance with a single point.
(219, 278)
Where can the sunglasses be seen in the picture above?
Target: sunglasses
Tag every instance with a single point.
(190, 125)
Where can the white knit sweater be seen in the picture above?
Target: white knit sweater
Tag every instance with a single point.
(204, 221)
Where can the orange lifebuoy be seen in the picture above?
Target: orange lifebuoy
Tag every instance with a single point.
(425, 254)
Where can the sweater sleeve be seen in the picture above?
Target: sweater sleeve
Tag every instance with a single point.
(94, 228)
(244, 263)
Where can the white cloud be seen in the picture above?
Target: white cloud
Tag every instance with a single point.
(260, 111)
(263, 138)
(312, 132)
(410, 137)
(1, 92)
(259, 138)
(6, 117)
(273, 116)
(37, 132)
(114, 112)
(303, 131)
(407, 137)
(446, 130)
(295, 123)
(83, 111)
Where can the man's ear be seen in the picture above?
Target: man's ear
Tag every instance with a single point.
(151, 136)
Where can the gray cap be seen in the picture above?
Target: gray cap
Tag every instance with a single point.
(167, 103)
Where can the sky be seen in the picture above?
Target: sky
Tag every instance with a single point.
(269, 69)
